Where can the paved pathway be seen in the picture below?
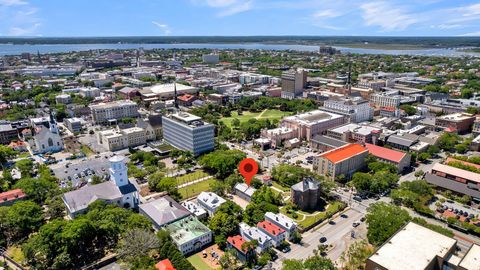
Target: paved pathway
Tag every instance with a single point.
(261, 114)
(194, 182)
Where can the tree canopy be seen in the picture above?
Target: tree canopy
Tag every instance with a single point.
(383, 221)
(222, 162)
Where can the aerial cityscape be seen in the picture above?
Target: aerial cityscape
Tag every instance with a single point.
(244, 137)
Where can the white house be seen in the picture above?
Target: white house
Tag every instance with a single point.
(253, 233)
(283, 222)
(210, 201)
(277, 234)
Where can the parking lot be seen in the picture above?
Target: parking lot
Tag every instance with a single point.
(76, 172)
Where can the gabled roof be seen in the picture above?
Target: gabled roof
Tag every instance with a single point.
(385, 153)
(79, 199)
(343, 153)
(270, 228)
(237, 242)
(474, 177)
(164, 210)
(11, 195)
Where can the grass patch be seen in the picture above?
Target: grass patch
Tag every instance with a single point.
(165, 147)
(87, 151)
(198, 263)
(246, 115)
(195, 189)
(16, 254)
(24, 155)
(298, 218)
(332, 208)
(191, 177)
(279, 186)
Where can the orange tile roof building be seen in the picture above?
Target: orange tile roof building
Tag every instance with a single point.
(235, 243)
(344, 160)
(164, 265)
(9, 197)
(277, 234)
(400, 159)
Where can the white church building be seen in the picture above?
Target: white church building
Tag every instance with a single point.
(45, 136)
(118, 190)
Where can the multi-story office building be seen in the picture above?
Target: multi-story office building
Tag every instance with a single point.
(357, 109)
(104, 112)
(293, 83)
(188, 132)
(457, 122)
(117, 139)
(89, 92)
(386, 100)
(344, 161)
(312, 123)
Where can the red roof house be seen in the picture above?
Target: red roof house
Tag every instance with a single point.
(11, 196)
(164, 265)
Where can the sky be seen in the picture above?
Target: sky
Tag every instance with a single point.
(62, 18)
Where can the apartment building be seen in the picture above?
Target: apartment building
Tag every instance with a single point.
(210, 201)
(188, 132)
(75, 124)
(386, 100)
(105, 112)
(253, 233)
(344, 161)
(277, 234)
(293, 83)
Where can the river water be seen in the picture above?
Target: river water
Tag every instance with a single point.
(15, 49)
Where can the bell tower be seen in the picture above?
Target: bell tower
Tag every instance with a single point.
(118, 170)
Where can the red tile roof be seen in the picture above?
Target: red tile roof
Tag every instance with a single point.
(387, 108)
(12, 195)
(344, 152)
(270, 228)
(164, 265)
(237, 241)
(385, 153)
(450, 159)
(186, 97)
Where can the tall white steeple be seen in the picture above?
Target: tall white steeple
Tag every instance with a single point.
(118, 170)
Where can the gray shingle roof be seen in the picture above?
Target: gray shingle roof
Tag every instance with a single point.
(79, 199)
(328, 141)
(164, 210)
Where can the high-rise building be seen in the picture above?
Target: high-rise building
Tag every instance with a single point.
(114, 110)
(188, 132)
(293, 83)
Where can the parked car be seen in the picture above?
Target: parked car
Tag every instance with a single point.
(357, 198)
(323, 239)
(286, 249)
(355, 224)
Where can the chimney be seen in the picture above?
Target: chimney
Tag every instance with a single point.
(171, 204)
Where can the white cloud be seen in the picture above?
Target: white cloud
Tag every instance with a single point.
(9, 3)
(165, 28)
(388, 17)
(23, 31)
(447, 26)
(227, 7)
(18, 18)
(328, 13)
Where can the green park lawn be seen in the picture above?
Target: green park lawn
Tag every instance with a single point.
(189, 177)
(305, 219)
(195, 189)
(246, 115)
(197, 263)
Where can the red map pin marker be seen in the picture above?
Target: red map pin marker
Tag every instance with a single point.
(248, 168)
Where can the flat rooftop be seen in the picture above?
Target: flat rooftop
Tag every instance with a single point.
(344, 152)
(187, 229)
(314, 117)
(456, 117)
(412, 248)
(169, 88)
(472, 258)
(475, 177)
